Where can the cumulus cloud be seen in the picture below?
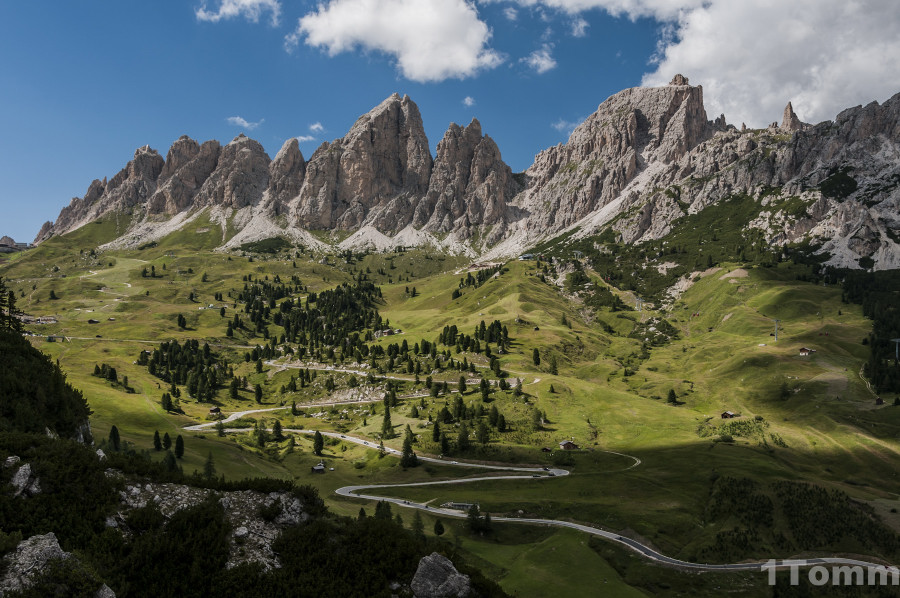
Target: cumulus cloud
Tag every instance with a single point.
(752, 57)
(510, 13)
(541, 60)
(249, 9)
(431, 40)
(305, 138)
(243, 122)
(579, 27)
(316, 127)
(469, 101)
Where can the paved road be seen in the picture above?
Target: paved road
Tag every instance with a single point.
(537, 474)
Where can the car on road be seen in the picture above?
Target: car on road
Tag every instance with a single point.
(535, 475)
(545, 468)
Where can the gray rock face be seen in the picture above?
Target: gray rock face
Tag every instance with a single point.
(188, 166)
(5, 240)
(25, 482)
(436, 577)
(470, 184)
(790, 121)
(383, 163)
(29, 558)
(629, 131)
(286, 173)
(240, 178)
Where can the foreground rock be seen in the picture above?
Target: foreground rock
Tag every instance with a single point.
(436, 577)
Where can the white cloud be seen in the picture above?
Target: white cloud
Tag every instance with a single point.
(244, 123)
(579, 27)
(541, 60)
(753, 56)
(305, 138)
(249, 9)
(510, 13)
(659, 9)
(469, 101)
(565, 126)
(431, 40)
(316, 127)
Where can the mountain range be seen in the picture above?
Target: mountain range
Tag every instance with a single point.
(645, 159)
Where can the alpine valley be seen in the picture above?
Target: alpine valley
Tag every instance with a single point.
(661, 356)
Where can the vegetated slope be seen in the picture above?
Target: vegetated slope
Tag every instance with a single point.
(34, 393)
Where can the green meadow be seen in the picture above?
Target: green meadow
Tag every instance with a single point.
(649, 384)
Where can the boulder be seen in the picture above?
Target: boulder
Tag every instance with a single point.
(436, 577)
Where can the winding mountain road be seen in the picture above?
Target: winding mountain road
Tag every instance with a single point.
(537, 474)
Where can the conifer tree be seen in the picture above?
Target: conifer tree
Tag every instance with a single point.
(438, 528)
(209, 468)
(166, 441)
(179, 447)
(114, 441)
(157, 443)
(387, 430)
(318, 443)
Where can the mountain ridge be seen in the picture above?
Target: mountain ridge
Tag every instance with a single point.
(645, 158)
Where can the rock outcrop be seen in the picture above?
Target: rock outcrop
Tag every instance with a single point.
(470, 184)
(188, 166)
(240, 178)
(28, 560)
(436, 577)
(383, 163)
(286, 173)
(631, 131)
(790, 121)
(25, 483)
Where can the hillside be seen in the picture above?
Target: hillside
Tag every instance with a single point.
(563, 352)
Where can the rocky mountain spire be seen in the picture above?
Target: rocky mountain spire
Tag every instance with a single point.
(188, 166)
(382, 164)
(790, 121)
(286, 173)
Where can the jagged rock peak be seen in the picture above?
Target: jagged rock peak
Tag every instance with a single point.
(381, 166)
(286, 173)
(679, 79)
(188, 166)
(790, 121)
(240, 177)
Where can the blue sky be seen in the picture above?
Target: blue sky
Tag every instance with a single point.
(82, 84)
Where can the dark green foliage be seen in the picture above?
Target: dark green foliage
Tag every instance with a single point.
(192, 364)
(839, 185)
(877, 293)
(272, 245)
(318, 443)
(34, 394)
(157, 442)
(75, 494)
(438, 528)
(179, 447)
(114, 441)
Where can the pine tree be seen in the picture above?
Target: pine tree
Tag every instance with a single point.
(157, 443)
(493, 416)
(114, 441)
(672, 398)
(501, 423)
(318, 443)
(485, 390)
(418, 526)
(277, 432)
(462, 439)
(167, 441)
(209, 468)
(482, 434)
(257, 393)
(436, 431)
(220, 429)
(462, 384)
(387, 430)
(536, 357)
(408, 457)
(438, 528)
(179, 447)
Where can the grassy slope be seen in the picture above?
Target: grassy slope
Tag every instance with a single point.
(834, 434)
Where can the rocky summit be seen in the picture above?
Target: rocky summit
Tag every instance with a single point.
(646, 158)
